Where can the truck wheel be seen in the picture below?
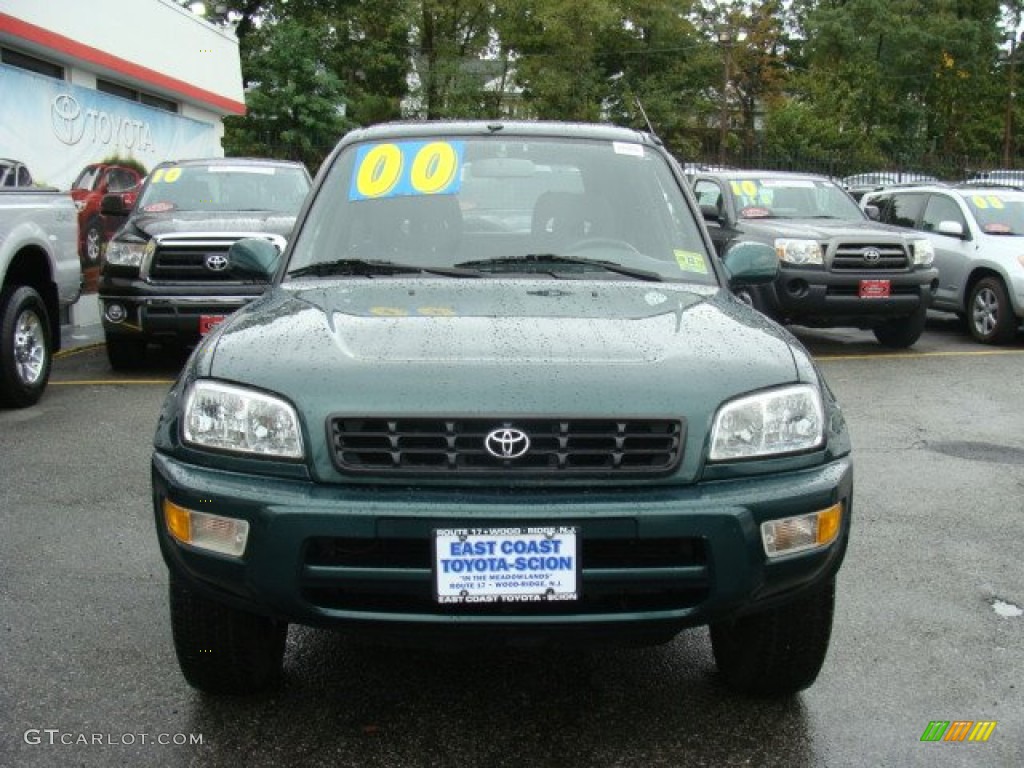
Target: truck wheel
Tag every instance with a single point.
(902, 332)
(990, 317)
(777, 652)
(126, 354)
(221, 649)
(93, 240)
(26, 349)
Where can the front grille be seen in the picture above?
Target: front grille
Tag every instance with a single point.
(618, 575)
(184, 258)
(454, 446)
(892, 257)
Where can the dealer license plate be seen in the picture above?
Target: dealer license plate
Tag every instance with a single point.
(208, 322)
(492, 565)
(874, 289)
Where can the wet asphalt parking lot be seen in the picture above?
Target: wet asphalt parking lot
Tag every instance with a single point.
(928, 624)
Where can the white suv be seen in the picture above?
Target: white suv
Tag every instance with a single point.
(978, 235)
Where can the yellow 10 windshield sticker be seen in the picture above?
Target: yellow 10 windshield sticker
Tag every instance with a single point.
(407, 168)
(166, 175)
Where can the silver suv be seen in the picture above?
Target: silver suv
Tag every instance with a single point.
(978, 235)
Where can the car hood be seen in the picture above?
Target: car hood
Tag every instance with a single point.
(820, 229)
(502, 348)
(174, 222)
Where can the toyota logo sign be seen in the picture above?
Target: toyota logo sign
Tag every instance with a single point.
(872, 255)
(216, 262)
(507, 443)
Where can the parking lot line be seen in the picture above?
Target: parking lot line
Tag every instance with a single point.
(91, 382)
(914, 355)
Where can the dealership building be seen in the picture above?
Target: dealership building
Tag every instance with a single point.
(84, 81)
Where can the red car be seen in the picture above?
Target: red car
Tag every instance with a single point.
(92, 184)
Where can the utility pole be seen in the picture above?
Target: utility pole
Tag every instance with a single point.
(1010, 97)
(725, 41)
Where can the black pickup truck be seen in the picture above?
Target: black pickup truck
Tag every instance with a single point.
(837, 267)
(164, 276)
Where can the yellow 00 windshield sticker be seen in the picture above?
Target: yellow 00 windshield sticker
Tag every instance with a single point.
(407, 168)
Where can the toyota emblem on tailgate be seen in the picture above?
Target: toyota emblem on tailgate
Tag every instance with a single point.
(216, 262)
(506, 443)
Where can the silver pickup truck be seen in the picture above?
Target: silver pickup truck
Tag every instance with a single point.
(40, 273)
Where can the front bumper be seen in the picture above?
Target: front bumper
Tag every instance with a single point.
(806, 294)
(168, 312)
(654, 559)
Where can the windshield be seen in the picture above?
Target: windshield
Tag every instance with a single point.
(999, 213)
(225, 187)
(492, 205)
(782, 198)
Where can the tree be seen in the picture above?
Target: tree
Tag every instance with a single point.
(294, 102)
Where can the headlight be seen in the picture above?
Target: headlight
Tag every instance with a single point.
(924, 252)
(230, 418)
(770, 423)
(128, 254)
(801, 252)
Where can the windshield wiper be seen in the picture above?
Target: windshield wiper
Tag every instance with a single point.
(516, 263)
(374, 267)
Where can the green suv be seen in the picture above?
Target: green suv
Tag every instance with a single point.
(499, 391)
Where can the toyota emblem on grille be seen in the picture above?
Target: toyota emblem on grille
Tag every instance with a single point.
(216, 262)
(506, 443)
(871, 255)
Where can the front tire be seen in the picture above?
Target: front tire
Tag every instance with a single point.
(777, 652)
(902, 332)
(93, 241)
(990, 317)
(26, 346)
(126, 354)
(222, 650)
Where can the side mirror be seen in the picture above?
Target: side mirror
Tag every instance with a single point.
(710, 212)
(114, 205)
(873, 211)
(951, 228)
(751, 264)
(254, 258)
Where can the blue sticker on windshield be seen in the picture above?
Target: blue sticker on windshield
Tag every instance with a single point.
(407, 168)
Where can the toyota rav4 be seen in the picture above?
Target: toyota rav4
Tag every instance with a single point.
(498, 392)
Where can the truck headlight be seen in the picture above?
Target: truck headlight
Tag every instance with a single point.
(231, 418)
(779, 421)
(924, 252)
(796, 251)
(122, 253)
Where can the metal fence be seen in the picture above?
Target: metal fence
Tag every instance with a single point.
(950, 169)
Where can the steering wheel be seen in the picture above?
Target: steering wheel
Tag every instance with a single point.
(602, 242)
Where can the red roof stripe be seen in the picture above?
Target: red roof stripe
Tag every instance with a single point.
(75, 49)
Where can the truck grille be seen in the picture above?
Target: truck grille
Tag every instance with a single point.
(870, 257)
(197, 257)
(454, 446)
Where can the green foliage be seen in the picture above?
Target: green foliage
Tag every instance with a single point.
(127, 162)
(294, 103)
(858, 82)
